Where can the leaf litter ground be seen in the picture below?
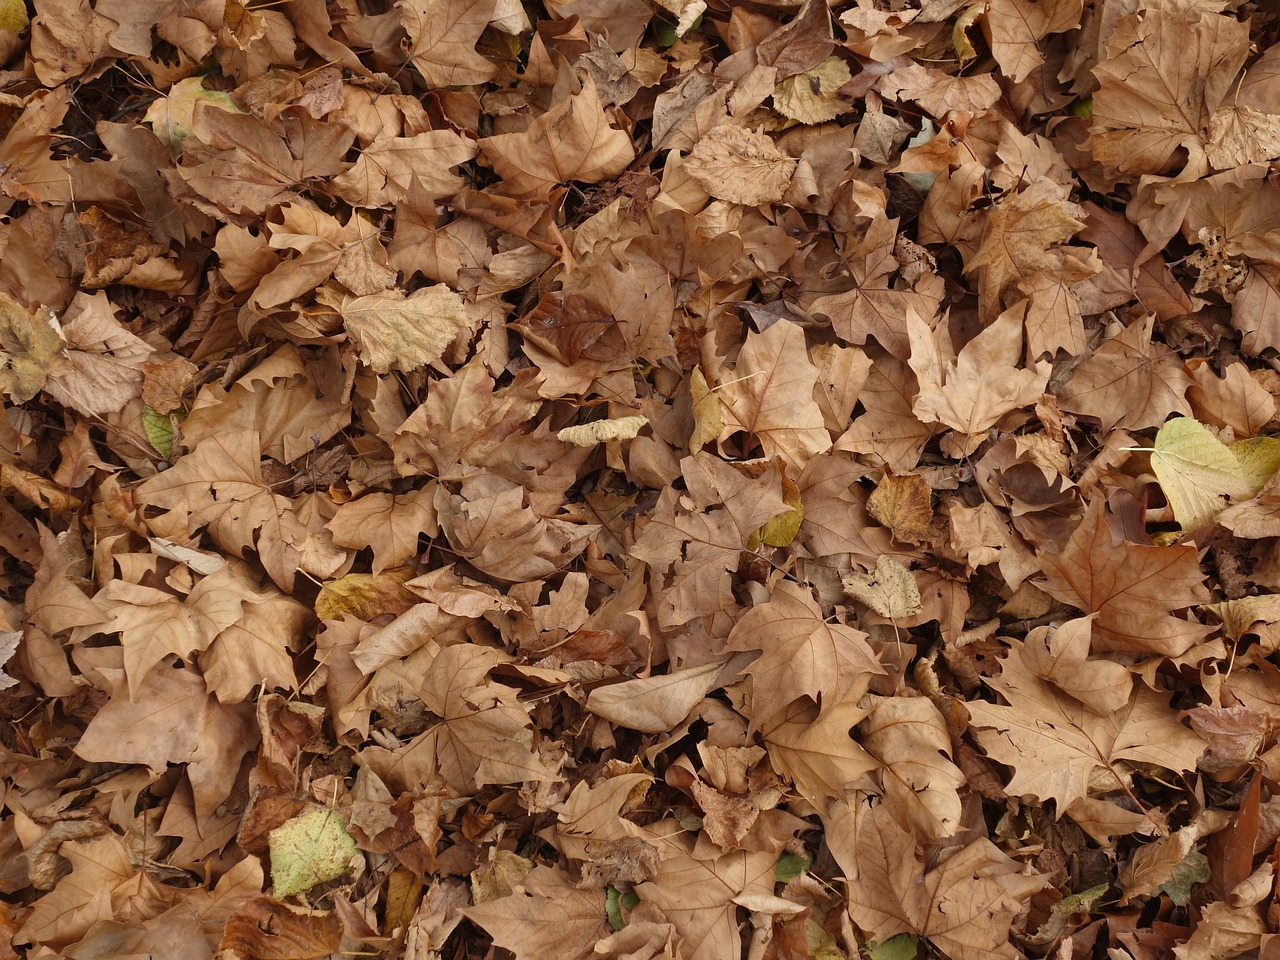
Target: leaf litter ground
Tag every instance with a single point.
(694, 481)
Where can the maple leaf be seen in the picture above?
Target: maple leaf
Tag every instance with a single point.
(801, 654)
(691, 543)
(1025, 235)
(963, 906)
(443, 35)
(1061, 750)
(1015, 28)
(571, 141)
(1132, 587)
(770, 395)
(985, 381)
(153, 623)
(389, 167)
(1161, 81)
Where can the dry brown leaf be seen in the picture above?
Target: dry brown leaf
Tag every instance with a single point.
(741, 166)
(571, 141)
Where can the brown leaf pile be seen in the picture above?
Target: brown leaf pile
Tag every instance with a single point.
(625, 480)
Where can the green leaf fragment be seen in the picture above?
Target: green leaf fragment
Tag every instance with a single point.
(902, 947)
(1191, 869)
(790, 866)
(159, 430)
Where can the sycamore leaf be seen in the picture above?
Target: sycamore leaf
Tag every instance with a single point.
(738, 165)
(909, 736)
(985, 381)
(890, 591)
(801, 655)
(171, 116)
(1026, 234)
(311, 848)
(1060, 750)
(1196, 470)
(31, 347)
(1134, 588)
(816, 752)
(442, 39)
(395, 332)
(962, 906)
(770, 395)
(571, 141)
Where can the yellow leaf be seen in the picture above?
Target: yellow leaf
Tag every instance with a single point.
(1196, 470)
(309, 849)
(1259, 459)
(708, 420)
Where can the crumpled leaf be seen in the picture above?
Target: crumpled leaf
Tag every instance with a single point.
(603, 431)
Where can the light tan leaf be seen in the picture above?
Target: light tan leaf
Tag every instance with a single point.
(395, 332)
(891, 591)
(986, 380)
(1134, 588)
(1026, 234)
(386, 168)
(963, 906)
(1061, 656)
(801, 654)
(909, 736)
(738, 165)
(770, 395)
(603, 431)
(1059, 750)
(308, 849)
(815, 752)
(655, 704)
(442, 39)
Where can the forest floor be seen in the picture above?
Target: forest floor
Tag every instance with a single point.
(606, 480)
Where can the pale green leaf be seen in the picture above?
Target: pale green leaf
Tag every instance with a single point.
(1196, 471)
(311, 848)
